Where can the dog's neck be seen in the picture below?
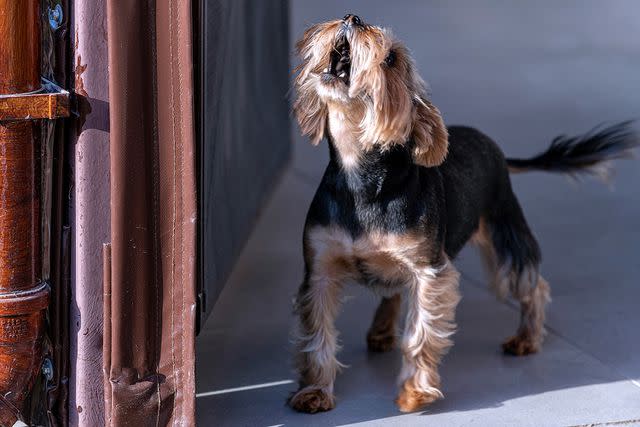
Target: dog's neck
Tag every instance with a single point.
(368, 172)
(344, 131)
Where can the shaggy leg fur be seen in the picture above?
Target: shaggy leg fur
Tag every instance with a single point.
(317, 307)
(430, 323)
(531, 332)
(382, 333)
(512, 259)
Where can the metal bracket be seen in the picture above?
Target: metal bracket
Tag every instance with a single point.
(50, 102)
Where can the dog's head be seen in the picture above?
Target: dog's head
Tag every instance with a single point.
(367, 74)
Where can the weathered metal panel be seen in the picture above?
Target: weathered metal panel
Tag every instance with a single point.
(90, 211)
(150, 309)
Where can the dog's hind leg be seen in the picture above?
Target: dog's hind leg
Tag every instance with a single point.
(528, 338)
(432, 300)
(512, 258)
(382, 333)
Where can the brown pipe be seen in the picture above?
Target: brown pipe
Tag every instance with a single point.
(20, 47)
(23, 296)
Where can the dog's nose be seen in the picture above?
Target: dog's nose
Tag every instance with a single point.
(350, 19)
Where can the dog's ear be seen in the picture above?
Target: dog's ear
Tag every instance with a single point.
(310, 111)
(429, 134)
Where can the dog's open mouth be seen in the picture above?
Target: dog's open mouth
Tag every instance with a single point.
(339, 62)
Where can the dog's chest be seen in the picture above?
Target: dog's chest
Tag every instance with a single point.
(379, 259)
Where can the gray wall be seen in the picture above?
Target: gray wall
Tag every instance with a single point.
(244, 125)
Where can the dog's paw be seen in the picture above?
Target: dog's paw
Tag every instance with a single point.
(380, 343)
(312, 400)
(410, 399)
(520, 345)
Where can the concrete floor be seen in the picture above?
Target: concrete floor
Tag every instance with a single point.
(523, 74)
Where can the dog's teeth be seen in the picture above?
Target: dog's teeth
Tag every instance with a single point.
(342, 74)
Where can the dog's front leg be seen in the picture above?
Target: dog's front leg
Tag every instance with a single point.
(317, 306)
(432, 299)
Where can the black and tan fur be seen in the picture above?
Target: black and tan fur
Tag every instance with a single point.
(401, 196)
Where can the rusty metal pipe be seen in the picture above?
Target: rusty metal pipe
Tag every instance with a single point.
(20, 47)
(23, 296)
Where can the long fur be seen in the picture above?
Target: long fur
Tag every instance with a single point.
(389, 103)
(433, 297)
(589, 154)
(401, 196)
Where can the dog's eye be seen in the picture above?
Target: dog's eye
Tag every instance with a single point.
(390, 59)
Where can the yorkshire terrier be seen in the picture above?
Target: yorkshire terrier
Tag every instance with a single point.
(401, 196)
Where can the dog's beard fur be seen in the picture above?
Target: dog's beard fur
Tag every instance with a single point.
(384, 99)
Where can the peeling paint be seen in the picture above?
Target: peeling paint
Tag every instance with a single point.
(83, 104)
(79, 84)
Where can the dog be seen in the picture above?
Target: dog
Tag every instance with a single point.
(400, 197)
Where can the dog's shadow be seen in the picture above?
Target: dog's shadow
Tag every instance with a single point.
(477, 378)
(475, 374)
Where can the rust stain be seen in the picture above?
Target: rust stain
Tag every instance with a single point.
(83, 104)
(79, 84)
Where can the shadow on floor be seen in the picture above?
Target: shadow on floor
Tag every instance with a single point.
(246, 343)
(522, 74)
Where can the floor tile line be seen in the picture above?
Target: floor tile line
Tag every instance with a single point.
(244, 388)
(610, 423)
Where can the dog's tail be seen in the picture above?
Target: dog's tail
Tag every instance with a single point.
(590, 154)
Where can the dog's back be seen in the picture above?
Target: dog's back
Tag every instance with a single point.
(476, 181)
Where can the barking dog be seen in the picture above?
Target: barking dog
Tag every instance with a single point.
(401, 196)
